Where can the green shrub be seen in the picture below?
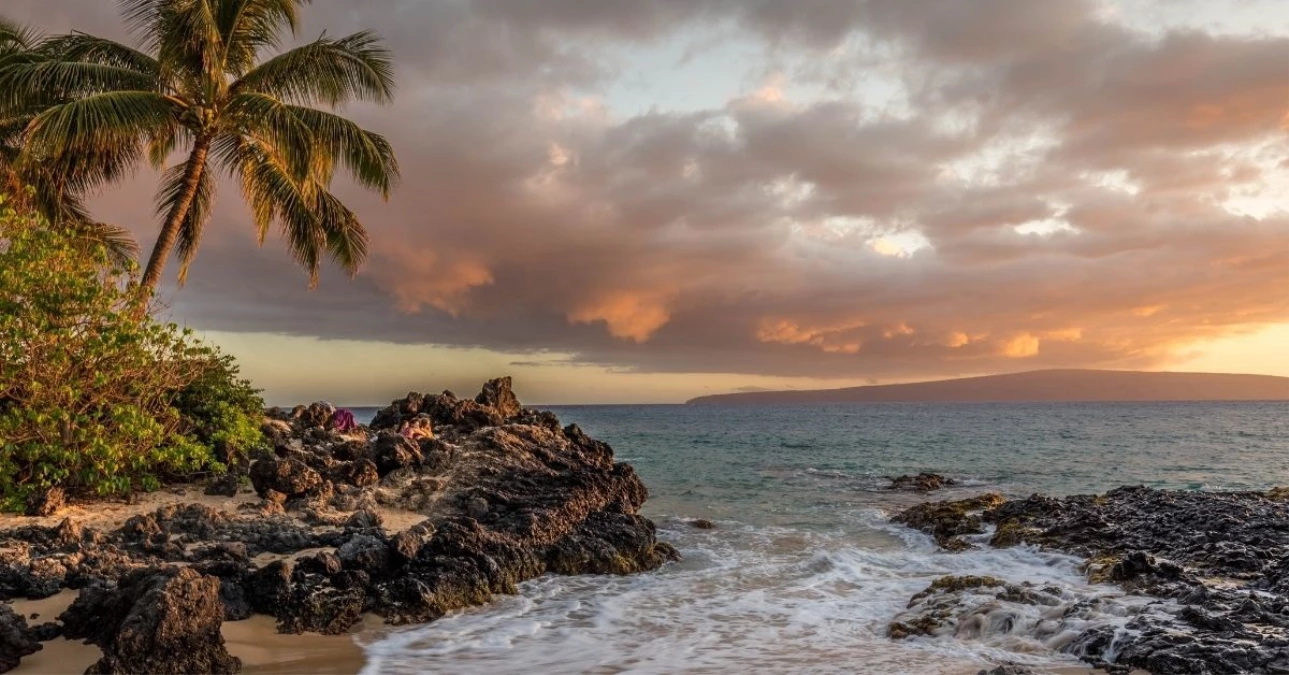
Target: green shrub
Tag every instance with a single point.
(87, 387)
(221, 410)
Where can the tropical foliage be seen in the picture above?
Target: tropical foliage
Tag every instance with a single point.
(57, 194)
(92, 398)
(196, 84)
(221, 410)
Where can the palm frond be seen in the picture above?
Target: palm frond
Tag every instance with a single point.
(307, 138)
(90, 49)
(16, 38)
(271, 121)
(313, 221)
(41, 81)
(182, 34)
(166, 142)
(120, 244)
(367, 156)
(247, 26)
(100, 123)
(354, 68)
(190, 231)
(275, 196)
(345, 236)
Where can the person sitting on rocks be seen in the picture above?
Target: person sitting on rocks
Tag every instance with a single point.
(417, 428)
(343, 421)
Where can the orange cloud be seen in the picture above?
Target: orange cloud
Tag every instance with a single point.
(1021, 346)
(629, 315)
(416, 279)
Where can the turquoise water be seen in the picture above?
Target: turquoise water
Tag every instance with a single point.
(765, 463)
(803, 572)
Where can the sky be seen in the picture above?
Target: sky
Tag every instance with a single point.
(649, 200)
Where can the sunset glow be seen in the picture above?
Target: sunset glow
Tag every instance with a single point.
(648, 201)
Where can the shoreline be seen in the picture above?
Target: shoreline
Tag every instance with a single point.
(439, 504)
(264, 651)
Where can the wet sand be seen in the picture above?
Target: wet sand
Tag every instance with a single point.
(263, 650)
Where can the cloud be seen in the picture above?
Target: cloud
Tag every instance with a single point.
(924, 188)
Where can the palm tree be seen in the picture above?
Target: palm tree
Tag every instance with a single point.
(58, 197)
(196, 84)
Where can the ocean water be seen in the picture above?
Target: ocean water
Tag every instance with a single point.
(803, 572)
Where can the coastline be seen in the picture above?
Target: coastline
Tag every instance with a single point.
(284, 562)
(448, 519)
(264, 651)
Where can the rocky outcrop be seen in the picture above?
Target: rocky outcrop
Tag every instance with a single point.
(1215, 561)
(949, 521)
(494, 406)
(16, 639)
(503, 494)
(154, 621)
(923, 482)
(498, 396)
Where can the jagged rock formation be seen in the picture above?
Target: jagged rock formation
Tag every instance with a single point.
(506, 494)
(156, 621)
(1219, 560)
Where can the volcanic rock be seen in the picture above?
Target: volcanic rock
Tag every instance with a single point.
(504, 494)
(289, 477)
(16, 640)
(498, 395)
(156, 621)
(46, 502)
(1218, 557)
(923, 482)
(223, 486)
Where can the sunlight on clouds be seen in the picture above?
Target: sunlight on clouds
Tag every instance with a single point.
(899, 245)
(1262, 352)
(1149, 310)
(629, 315)
(830, 339)
(1020, 347)
(1044, 227)
(420, 278)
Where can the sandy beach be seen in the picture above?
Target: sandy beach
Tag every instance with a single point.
(255, 641)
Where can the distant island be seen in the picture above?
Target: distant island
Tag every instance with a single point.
(1037, 386)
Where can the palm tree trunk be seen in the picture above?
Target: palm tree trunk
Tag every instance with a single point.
(174, 219)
